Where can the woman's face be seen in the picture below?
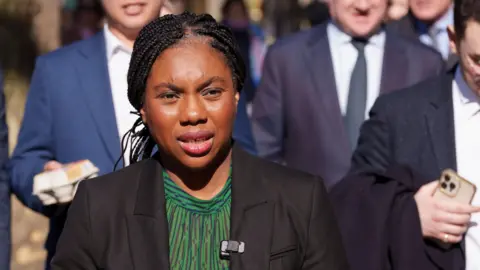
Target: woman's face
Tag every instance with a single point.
(190, 103)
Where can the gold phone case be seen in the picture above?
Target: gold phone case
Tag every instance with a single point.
(454, 187)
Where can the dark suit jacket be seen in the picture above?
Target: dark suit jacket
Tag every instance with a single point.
(413, 127)
(296, 113)
(5, 238)
(379, 210)
(284, 217)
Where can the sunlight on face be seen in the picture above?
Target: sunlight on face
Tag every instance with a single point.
(468, 50)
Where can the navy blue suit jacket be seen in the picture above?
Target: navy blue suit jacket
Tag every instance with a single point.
(296, 114)
(69, 116)
(5, 238)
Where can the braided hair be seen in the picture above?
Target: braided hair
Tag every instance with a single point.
(159, 35)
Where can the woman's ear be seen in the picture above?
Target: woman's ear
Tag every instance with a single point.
(237, 97)
(143, 115)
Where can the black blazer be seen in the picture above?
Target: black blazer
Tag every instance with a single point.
(414, 127)
(118, 221)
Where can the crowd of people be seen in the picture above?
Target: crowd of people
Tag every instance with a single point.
(216, 151)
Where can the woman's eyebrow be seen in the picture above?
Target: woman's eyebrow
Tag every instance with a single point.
(210, 81)
(169, 86)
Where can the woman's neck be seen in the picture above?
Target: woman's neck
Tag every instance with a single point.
(202, 184)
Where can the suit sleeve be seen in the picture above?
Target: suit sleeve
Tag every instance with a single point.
(74, 248)
(267, 116)
(5, 212)
(373, 148)
(325, 250)
(34, 145)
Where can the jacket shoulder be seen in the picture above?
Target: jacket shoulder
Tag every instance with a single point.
(64, 55)
(415, 46)
(417, 95)
(111, 190)
(290, 43)
(287, 180)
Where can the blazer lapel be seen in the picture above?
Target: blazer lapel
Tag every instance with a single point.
(440, 123)
(148, 226)
(394, 65)
(95, 83)
(251, 215)
(319, 62)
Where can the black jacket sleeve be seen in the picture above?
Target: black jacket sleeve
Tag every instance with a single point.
(324, 244)
(75, 247)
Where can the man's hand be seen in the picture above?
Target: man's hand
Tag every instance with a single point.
(52, 165)
(443, 220)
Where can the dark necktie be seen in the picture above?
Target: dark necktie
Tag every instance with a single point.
(357, 96)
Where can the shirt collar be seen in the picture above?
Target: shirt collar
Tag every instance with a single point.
(440, 24)
(465, 94)
(341, 38)
(113, 44)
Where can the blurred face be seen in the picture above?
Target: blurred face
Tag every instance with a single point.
(468, 50)
(429, 11)
(236, 12)
(191, 103)
(397, 9)
(359, 18)
(131, 15)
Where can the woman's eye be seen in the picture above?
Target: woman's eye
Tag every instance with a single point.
(213, 92)
(168, 96)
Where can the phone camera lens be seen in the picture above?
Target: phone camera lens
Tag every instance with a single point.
(452, 186)
(447, 178)
(444, 185)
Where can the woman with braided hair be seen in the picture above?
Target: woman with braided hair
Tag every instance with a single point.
(199, 202)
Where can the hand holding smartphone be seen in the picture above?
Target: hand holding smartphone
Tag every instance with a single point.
(454, 188)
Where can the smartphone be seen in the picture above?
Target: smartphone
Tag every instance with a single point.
(452, 187)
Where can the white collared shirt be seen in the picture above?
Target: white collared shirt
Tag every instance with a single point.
(466, 107)
(118, 59)
(344, 57)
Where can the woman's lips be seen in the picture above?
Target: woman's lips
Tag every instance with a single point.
(196, 143)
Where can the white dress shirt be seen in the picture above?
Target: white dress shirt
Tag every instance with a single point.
(466, 107)
(118, 58)
(344, 57)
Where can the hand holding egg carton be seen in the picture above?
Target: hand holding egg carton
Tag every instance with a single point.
(59, 186)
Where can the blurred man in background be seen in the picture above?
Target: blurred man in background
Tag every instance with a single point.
(318, 86)
(77, 107)
(428, 21)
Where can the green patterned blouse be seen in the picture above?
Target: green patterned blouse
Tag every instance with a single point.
(197, 227)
